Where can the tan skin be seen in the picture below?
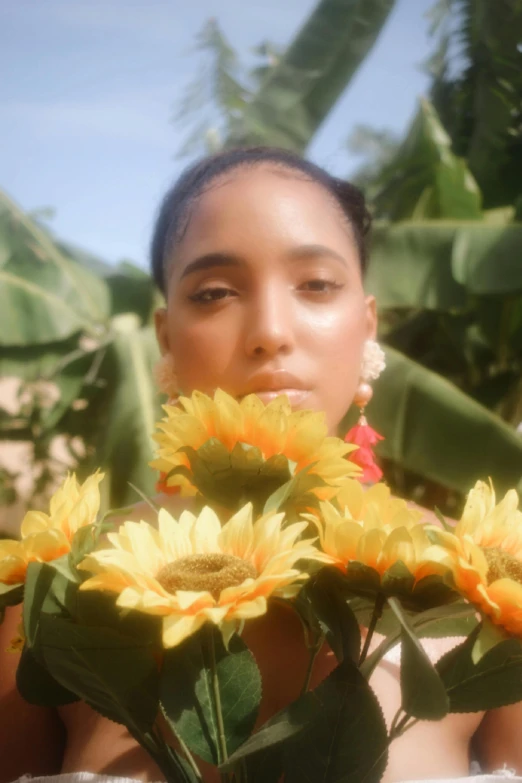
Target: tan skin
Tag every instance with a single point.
(287, 295)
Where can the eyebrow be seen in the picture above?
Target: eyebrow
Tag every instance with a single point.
(209, 261)
(315, 251)
(220, 259)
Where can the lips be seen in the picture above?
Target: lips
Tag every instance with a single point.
(295, 397)
(269, 385)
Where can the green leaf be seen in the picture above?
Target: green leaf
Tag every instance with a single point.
(485, 259)
(484, 100)
(37, 278)
(444, 262)
(304, 85)
(230, 479)
(47, 591)
(84, 541)
(124, 444)
(326, 592)
(421, 413)
(489, 636)
(495, 681)
(185, 693)
(422, 690)
(115, 674)
(99, 608)
(419, 251)
(344, 739)
(281, 727)
(37, 686)
(296, 492)
(425, 179)
(51, 377)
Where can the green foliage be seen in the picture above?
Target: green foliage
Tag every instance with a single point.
(324, 606)
(115, 674)
(345, 738)
(491, 683)
(423, 692)
(229, 479)
(335, 732)
(284, 101)
(186, 693)
(37, 686)
(425, 179)
(44, 297)
(439, 432)
(477, 90)
(76, 361)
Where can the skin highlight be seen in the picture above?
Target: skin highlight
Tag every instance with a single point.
(265, 294)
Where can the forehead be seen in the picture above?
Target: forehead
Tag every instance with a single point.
(264, 206)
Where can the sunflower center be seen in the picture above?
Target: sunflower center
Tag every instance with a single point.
(502, 565)
(210, 571)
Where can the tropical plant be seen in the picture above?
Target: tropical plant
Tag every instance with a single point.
(284, 102)
(75, 361)
(444, 271)
(447, 274)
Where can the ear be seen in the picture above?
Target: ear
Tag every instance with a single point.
(162, 332)
(371, 318)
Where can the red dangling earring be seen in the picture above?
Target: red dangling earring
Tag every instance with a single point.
(362, 435)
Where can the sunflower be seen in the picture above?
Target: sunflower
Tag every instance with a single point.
(373, 529)
(194, 570)
(484, 552)
(300, 436)
(45, 537)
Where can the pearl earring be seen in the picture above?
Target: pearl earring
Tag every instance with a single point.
(362, 435)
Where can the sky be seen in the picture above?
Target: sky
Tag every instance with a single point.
(89, 88)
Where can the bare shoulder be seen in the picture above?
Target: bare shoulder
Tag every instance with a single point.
(31, 738)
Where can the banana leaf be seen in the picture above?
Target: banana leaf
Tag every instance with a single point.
(124, 444)
(437, 264)
(425, 179)
(41, 383)
(488, 99)
(44, 297)
(437, 431)
(301, 89)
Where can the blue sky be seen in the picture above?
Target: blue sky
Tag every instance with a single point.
(91, 87)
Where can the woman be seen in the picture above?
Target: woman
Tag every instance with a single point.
(261, 258)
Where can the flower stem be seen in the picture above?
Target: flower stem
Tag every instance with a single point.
(376, 615)
(188, 755)
(222, 743)
(399, 727)
(314, 652)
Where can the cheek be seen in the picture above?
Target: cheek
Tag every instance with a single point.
(203, 352)
(335, 340)
(337, 333)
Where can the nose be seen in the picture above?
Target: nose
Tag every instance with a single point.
(269, 329)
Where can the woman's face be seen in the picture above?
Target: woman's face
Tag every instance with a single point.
(265, 294)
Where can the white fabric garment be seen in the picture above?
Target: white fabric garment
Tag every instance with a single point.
(89, 777)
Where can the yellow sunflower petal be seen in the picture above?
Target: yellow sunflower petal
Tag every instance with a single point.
(237, 535)
(177, 628)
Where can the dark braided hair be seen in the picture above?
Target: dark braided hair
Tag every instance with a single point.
(174, 211)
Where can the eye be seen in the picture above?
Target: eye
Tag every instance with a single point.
(211, 295)
(320, 286)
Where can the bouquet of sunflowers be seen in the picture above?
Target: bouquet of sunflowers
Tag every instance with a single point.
(148, 623)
